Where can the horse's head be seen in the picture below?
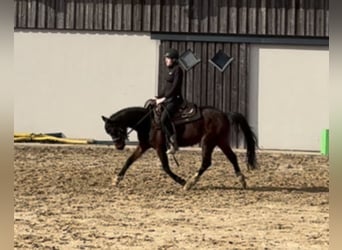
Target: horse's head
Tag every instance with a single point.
(117, 132)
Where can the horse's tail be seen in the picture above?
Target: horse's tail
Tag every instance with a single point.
(251, 139)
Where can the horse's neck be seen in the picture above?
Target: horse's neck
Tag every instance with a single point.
(133, 118)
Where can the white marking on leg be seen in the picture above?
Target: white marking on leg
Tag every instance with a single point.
(191, 182)
(117, 180)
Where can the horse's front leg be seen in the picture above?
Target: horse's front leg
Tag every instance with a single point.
(165, 165)
(134, 156)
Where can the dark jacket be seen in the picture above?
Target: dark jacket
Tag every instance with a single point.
(173, 83)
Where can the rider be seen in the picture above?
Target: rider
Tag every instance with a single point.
(171, 96)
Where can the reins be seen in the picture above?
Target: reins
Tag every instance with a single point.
(137, 124)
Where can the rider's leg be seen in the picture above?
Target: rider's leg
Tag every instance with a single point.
(169, 110)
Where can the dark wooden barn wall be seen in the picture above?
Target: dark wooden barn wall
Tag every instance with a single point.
(207, 86)
(257, 17)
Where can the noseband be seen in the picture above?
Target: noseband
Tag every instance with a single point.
(122, 135)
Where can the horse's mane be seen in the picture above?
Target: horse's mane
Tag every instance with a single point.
(121, 114)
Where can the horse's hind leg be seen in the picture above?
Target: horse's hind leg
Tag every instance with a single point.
(226, 149)
(207, 150)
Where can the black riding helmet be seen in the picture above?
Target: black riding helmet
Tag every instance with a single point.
(172, 53)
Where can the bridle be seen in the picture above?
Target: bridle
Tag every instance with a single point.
(123, 134)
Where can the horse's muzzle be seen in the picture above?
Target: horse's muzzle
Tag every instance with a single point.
(119, 145)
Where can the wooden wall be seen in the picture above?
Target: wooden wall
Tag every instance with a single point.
(207, 86)
(203, 85)
(255, 17)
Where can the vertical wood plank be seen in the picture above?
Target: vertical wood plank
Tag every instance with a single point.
(223, 17)
(213, 16)
(41, 14)
(252, 17)
(243, 17)
(242, 107)
(234, 87)
(166, 16)
(156, 12)
(262, 18)
(181, 47)
(226, 88)
(118, 10)
(51, 14)
(190, 77)
(242, 99)
(233, 16)
(234, 78)
(184, 15)
(326, 13)
(147, 15)
(89, 15)
(108, 14)
(227, 81)
(195, 16)
(127, 15)
(204, 23)
(60, 10)
(281, 17)
(204, 70)
(79, 22)
(98, 18)
(291, 18)
(171, 16)
(211, 76)
(31, 13)
(16, 13)
(300, 23)
(310, 18)
(197, 75)
(271, 18)
(137, 15)
(70, 14)
(319, 8)
(218, 101)
(22, 14)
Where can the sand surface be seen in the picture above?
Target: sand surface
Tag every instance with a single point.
(64, 199)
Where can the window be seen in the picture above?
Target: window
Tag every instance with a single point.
(221, 60)
(188, 60)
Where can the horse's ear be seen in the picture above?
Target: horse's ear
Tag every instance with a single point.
(105, 119)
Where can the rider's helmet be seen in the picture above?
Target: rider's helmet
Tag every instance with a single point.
(172, 53)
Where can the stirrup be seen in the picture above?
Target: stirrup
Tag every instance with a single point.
(173, 145)
(172, 150)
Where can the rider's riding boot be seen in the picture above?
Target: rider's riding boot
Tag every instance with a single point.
(173, 146)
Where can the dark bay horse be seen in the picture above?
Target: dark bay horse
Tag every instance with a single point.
(212, 130)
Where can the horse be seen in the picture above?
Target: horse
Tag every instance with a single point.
(210, 130)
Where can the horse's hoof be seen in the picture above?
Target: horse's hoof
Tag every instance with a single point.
(190, 183)
(242, 181)
(188, 186)
(116, 181)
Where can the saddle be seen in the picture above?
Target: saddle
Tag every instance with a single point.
(187, 112)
